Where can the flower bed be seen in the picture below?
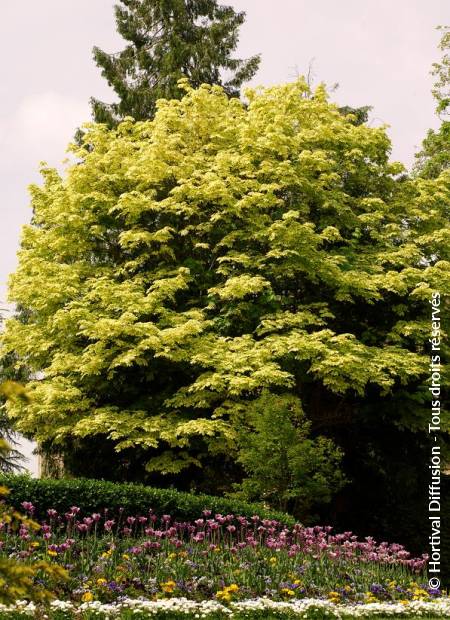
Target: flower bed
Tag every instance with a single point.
(225, 558)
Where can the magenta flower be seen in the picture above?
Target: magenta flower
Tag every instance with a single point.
(28, 506)
(135, 550)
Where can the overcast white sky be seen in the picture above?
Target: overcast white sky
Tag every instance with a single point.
(379, 51)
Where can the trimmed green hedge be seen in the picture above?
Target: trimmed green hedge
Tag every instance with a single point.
(134, 499)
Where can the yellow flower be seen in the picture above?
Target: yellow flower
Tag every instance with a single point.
(334, 597)
(420, 595)
(273, 560)
(101, 581)
(227, 592)
(288, 592)
(125, 556)
(51, 552)
(183, 554)
(34, 544)
(370, 598)
(168, 586)
(87, 597)
(172, 556)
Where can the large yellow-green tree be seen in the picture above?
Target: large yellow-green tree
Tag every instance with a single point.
(186, 264)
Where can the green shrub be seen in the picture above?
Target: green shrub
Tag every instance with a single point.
(287, 467)
(96, 495)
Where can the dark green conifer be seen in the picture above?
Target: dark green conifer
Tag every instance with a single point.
(169, 40)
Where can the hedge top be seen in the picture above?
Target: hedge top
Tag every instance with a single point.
(129, 498)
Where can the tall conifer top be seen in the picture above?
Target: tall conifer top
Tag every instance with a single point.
(169, 40)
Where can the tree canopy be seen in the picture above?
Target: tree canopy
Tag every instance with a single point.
(190, 263)
(169, 40)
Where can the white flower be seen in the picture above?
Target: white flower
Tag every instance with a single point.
(300, 608)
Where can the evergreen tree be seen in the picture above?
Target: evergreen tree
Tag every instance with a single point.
(169, 40)
(11, 459)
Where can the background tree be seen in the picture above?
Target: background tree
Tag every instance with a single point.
(190, 262)
(169, 40)
(11, 459)
(435, 154)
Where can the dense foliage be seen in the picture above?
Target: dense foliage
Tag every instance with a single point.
(122, 499)
(169, 40)
(190, 262)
